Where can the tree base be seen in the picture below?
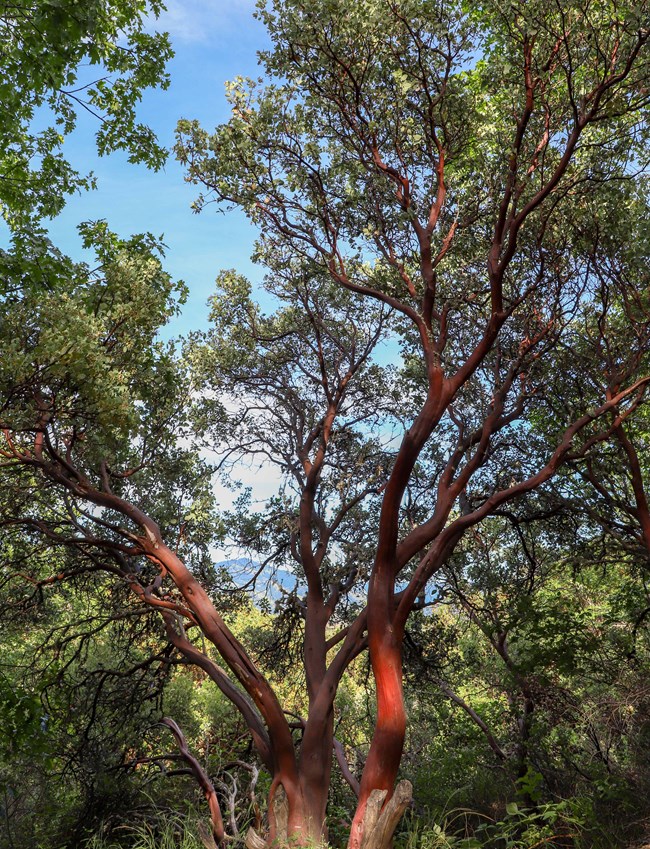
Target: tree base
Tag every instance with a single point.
(380, 821)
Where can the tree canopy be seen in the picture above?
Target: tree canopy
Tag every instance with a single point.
(451, 202)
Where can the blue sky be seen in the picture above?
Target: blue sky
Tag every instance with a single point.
(214, 41)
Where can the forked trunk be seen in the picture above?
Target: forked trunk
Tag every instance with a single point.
(297, 809)
(380, 819)
(292, 825)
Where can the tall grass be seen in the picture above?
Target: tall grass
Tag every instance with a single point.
(170, 833)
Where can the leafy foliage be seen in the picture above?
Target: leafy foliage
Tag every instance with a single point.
(449, 187)
(59, 56)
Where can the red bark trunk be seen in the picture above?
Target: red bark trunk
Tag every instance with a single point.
(382, 764)
(315, 769)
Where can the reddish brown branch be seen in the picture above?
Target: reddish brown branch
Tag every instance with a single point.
(203, 780)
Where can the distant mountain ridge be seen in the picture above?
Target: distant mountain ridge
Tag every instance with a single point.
(271, 583)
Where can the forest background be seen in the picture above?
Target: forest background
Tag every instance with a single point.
(434, 630)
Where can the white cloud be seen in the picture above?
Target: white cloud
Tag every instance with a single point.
(263, 479)
(193, 21)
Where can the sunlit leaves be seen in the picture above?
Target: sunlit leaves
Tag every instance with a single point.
(60, 57)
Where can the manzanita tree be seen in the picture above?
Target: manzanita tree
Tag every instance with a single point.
(437, 161)
(416, 167)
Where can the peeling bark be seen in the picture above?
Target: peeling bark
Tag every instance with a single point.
(381, 819)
